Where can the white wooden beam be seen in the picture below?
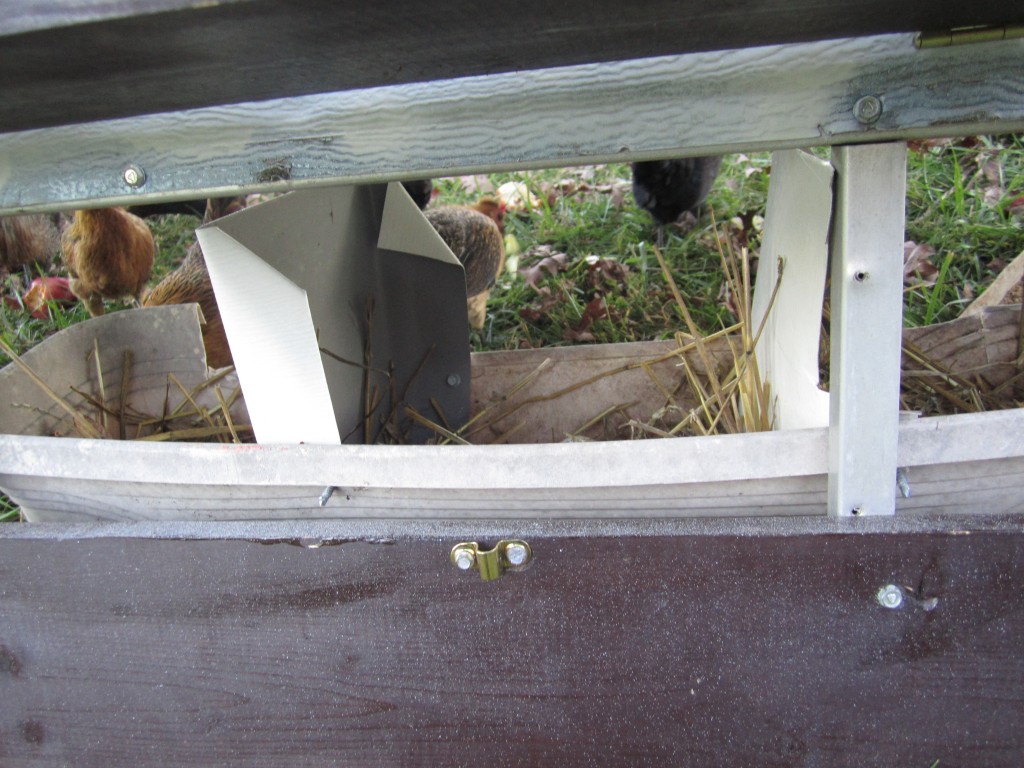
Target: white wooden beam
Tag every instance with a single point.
(772, 97)
(866, 328)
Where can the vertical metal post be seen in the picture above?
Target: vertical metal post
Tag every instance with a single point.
(866, 328)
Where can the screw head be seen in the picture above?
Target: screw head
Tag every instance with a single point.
(134, 176)
(517, 553)
(890, 596)
(454, 380)
(867, 109)
(463, 558)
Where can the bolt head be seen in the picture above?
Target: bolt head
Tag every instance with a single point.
(454, 379)
(517, 553)
(134, 176)
(463, 559)
(867, 109)
(890, 596)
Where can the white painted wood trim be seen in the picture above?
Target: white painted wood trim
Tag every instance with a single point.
(953, 466)
(866, 328)
(723, 458)
(769, 97)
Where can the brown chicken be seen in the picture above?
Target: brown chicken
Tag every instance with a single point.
(476, 241)
(492, 208)
(109, 255)
(29, 240)
(190, 282)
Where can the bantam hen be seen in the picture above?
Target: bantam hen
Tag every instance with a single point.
(190, 282)
(421, 191)
(476, 241)
(27, 241)
(109, 255)
(669, 188)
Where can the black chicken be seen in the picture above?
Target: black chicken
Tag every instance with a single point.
(669, 188)
(420, 191)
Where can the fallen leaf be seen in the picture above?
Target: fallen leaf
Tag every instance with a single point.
(602, 271)
(551, 261)
(922, 147)
(918, 268)
(993, 174)
(596, 309)
(546, 301)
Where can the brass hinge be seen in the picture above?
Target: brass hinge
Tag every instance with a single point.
(507, 555)
(965, 35)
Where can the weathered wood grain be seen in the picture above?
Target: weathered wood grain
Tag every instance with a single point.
(706, 103)
(146, 56)
(718, 645)
(961, 464)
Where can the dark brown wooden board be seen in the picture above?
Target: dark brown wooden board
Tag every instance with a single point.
(711, 643)
(58, 70)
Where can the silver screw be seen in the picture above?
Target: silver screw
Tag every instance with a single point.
(517, 553)
(903, 482)
(134, 176)
(867, 109)
(463, 559)
(890, 596)
(454, 379)
(326, 495)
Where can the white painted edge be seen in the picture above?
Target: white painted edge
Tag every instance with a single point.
(793, 453)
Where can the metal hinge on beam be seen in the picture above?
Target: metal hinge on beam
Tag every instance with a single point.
(965, 35)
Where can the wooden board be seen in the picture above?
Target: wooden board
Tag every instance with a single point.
(706, 644)
(699, 103)
(146, 56)
(953, 464)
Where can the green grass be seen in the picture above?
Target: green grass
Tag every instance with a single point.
(960, 198)
(597, 220)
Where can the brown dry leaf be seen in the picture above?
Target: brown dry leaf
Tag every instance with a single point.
(993, 173)
(596, 309)
(616, 191)
(568, 187)
(602, 271)
(918, 268)
(923, 146)
(726, 298)
(546, 301)
(551, 261)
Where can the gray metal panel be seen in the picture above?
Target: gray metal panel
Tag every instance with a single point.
(866, 328)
